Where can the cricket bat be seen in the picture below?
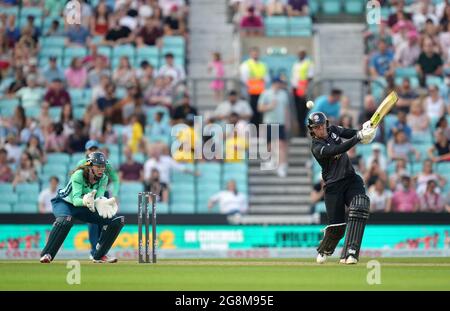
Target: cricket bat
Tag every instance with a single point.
(384, 108)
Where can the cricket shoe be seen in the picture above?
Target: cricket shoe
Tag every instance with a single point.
(321, 258)
(47, 258)
(351, 260)
(105, 259)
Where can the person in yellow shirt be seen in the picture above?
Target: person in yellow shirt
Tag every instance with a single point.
(301, 75)
(254, 74)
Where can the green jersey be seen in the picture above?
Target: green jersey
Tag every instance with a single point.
(77, 187)
(112, 175)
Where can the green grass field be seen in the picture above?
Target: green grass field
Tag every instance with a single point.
(229, 274)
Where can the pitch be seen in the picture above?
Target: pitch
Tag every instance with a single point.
(230, 274)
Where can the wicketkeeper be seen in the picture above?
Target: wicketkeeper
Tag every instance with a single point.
(82, 198)
(343, 187)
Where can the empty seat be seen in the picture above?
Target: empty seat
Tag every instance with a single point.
(177, 41)
(9, 198)
(58, 157)
(6, 188)
(276, 26)
(331, 7)
(354, 7)
(54, 42)
(131, 187)
(5, 208)
(300, 26)
(25, 207)
(182, 208)
(124, 50)
(55, 113)
(54, 168)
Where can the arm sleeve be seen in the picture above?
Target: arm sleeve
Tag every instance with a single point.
(77, 189)
(102, 184)
(346, 132)
(112, 174)
(321, 150)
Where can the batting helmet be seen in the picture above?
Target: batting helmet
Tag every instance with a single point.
(315, 119)
(96, 158)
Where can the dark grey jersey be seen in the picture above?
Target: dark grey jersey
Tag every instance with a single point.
(331, 153)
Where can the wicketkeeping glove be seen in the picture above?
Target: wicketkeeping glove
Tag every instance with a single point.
(88, 200)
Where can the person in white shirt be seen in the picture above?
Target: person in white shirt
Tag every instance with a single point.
(233, 104)
(171, 69)
(46, 195)
(380, 197)
(230, 201)
(378, 156)
(164, 164)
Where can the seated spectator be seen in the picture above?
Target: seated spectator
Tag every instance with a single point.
(77, 140)
(34, 149)
(46, 195)
(381, 62)
(106, 102)
(99, 70)
(434, 103)
(31, 95)
(6, 173)
(31, 128)
(431, 200)
(444, 43)
(27, 40)
(171, 69)
(378, 156)
(109, 136)
(145, 76)
(407, 53)
(56, 95)
(54, 29)
(13, 148)
(233, 105)
(418, 121)
(159, 127)
(380, 197)
(124, 73)
(400, 148)
(19, 82)
(173, 24)
(442, 125)
(94, 58)
(426, 175)
(405, 199)
(76, 74)
(77, 35)
(440, 151)
(130, 170)
(32, 69)
(183, 110)
(99, 90)
(5, 55)
(395, 178)
(12, 31)
(67, 119)
(330, 105)
(356, 160)
(406, 95)
(423, 11)
(151, 33)
(100, 20)
(400, 32)
(53, 71)
(118, 34)
(230, 201)
(275, 8)
(25, 173)
(401, 125)
(251, 24)
(163, 163)
(297, 8)
(126, 107)
(373, 173)
(156, 186)
(19, 121)
(399, 14)
(429, 62)
(55, 140)
(159, 94)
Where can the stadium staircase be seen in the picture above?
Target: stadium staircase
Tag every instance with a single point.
(209, 32)
(339, 55)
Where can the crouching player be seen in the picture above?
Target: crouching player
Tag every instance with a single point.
(343, 187)
(82, 198)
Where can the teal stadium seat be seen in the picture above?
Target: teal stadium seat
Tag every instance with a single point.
(170, 41)
(354, 7)
(422, 149)
(131, 187)
(414, 81)
(10, 198)
(55, 113)
(434, 80)
(9, 10)
(162, 208)
(331, 7)
(406, 72)
(300, 26)
(313, 6)
(124, 50)
(54, 168)
(389, 121)
(6, 188)
(25, 207)
(78, 112)
(276, 26)
(105, 51)
(71, 53)
(279, 64)
(57, 42)
(5, 208)
(47, 24)
(128, 202)
(182, 208)
(58, 157)
(76, 96)
(148, 53)
(33, 112)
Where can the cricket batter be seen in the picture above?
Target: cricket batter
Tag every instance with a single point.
(83, 199)
(343, 187)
